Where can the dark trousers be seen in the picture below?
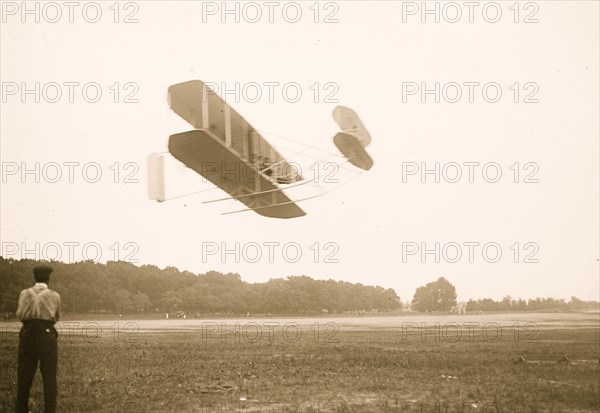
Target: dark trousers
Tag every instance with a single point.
(37, 342)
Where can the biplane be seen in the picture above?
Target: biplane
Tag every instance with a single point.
(227, 151)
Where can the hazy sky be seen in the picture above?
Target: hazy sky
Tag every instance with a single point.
(358, 54)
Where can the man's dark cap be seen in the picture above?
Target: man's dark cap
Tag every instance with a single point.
(42, 270)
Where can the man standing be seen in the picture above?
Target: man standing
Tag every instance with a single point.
(39, 309)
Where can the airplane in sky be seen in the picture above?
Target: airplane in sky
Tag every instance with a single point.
(226, 150)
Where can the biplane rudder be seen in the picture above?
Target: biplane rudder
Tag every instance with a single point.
(350, 123)
(156, 177)
(351, 148)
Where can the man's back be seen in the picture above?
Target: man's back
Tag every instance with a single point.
(39, 303)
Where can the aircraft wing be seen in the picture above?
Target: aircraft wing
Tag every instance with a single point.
(199, 105)
(208, 155)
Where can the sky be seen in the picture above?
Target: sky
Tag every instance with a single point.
(514, 135)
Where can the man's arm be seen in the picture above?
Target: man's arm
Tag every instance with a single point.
(21, 306)
(57, 315)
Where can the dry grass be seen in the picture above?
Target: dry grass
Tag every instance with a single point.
(373, 370)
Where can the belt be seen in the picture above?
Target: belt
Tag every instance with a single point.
(38, 321)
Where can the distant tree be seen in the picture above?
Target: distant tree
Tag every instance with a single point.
(472, 305)
(438, 295)
(173, 301)
(507, 303)
(140, 302)
(10, 288)
(520, 305)
(122, 301)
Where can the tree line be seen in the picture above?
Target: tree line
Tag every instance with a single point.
(440, 296)
(120, 287)
(536, 304)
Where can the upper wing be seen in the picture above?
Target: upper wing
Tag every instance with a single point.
(199, 105)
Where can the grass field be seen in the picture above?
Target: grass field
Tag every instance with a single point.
(366, 364)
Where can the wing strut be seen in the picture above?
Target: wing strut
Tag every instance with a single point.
(292, 202)
(257, 193)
